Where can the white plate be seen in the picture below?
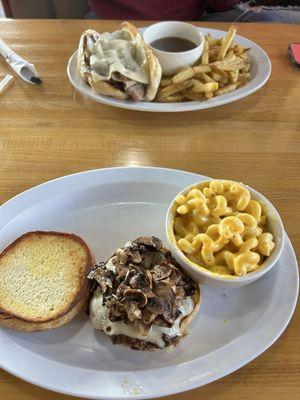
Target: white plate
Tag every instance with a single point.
(107, 207)
(260, 72)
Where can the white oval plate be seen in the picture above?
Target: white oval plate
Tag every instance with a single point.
(107, 207)
(260, 72)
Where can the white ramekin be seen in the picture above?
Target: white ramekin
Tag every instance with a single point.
(171, 62)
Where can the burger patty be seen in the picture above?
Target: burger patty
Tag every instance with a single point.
(138, 344)
(134, 344)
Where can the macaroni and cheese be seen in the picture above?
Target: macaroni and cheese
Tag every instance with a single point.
(219, 227)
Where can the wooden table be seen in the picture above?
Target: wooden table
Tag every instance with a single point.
(50, 130)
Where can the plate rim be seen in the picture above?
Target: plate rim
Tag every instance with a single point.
(186, 386)
(177, 107)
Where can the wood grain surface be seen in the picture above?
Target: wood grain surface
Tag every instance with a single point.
(50, 130)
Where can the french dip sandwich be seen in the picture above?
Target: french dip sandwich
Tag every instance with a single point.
(43, 282)
(119, 64)
(141, 297)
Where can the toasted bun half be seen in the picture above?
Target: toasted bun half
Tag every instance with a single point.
(104, 87)
(43, 280)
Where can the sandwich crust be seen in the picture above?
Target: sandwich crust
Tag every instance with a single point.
(83, 54)
(106, 89)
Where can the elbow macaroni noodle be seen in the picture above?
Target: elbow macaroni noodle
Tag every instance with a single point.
(219, 227)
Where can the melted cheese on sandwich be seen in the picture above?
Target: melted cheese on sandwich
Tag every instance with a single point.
(114, 53)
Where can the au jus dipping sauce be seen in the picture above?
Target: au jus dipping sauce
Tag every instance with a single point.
(173, 44)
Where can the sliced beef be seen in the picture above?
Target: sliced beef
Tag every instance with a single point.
(116, 85)
(135, 90)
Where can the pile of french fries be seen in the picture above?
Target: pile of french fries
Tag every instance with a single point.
(224, 66)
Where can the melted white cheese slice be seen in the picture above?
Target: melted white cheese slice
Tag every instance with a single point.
(116, 52)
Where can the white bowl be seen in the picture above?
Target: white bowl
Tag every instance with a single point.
(203, 275)
(171, 62)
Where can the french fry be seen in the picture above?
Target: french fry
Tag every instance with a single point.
(243, 79)
(238, 49)
(219, 71)
(174, 88)
(225, 65)
(244, 56)
(208, 95)
(183, 68)
(226, 43)
(206, 78)
(188, 94)
(183, 75)
(199, 77)
(241, 83)
(224, 81)
(212, 41)
(198, 69)
(205, 54)
(165, 82)
(234, 76)
(246, 68)
(199, 87)
(230, 56)
(190, 73)
(245, 75)
(226, 89)
(174, 98)
(211, 87)
(216, 76)
(213, 55)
